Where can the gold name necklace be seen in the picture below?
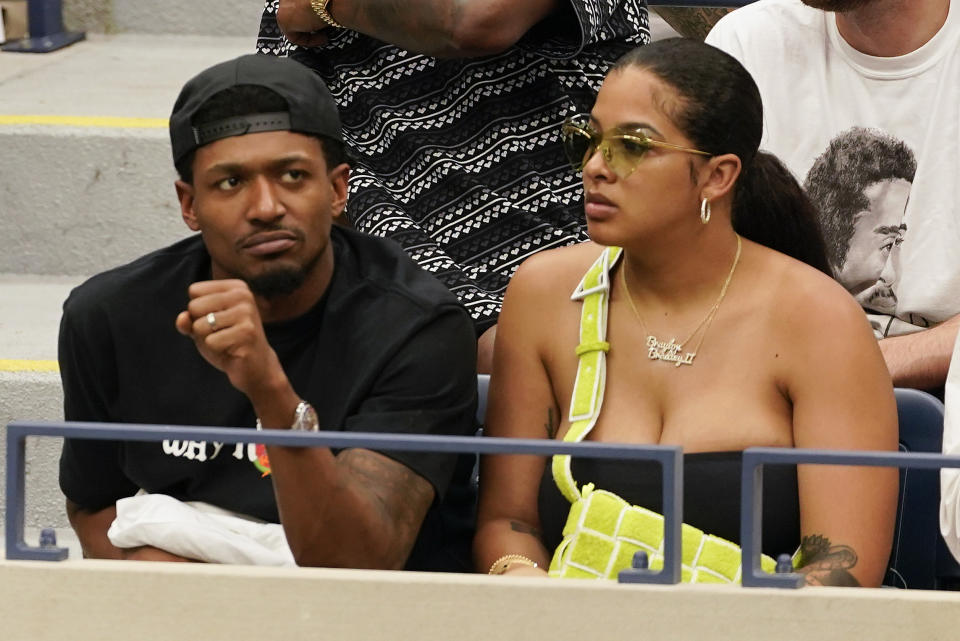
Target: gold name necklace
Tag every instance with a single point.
(672, 351)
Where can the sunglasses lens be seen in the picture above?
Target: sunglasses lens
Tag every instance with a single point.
(624, 153)
(577, 144)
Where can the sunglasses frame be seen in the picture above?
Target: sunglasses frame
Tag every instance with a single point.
(600, 141)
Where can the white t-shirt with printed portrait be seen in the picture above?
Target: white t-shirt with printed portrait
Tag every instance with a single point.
(874, 140)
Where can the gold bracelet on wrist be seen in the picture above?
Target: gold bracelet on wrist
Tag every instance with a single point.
(500, 565)
(320, 8)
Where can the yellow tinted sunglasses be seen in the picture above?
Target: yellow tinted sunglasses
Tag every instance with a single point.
(622, 147)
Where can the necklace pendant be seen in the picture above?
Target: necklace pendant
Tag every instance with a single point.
(669, 352)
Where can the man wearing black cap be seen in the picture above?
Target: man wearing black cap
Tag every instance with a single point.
(272, 317)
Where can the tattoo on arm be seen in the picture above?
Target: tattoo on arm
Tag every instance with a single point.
(523, 528)
(692, 23)
(400, 495)
(552, 423)
(826, 564)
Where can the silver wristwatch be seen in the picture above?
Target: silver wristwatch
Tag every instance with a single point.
(304, 419)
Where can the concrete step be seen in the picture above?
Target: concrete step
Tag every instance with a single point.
(30, 308)
(180, 17)
(86, 178)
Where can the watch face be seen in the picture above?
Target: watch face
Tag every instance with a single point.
(306, 420)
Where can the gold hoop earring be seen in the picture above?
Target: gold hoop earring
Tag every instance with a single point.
(705, 211)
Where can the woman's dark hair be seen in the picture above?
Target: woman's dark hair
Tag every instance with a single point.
(721, 112)
(786, 219)
(243, 100)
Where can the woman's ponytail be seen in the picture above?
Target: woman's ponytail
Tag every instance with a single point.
(771, 208)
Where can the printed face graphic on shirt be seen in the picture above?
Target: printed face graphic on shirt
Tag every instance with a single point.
(861, 186)
(870, 270)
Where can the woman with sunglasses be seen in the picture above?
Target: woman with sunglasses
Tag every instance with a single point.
(685, 330)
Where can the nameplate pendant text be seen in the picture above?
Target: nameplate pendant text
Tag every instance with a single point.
(669, 352)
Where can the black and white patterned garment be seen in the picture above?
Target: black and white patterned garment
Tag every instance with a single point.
(459, 160)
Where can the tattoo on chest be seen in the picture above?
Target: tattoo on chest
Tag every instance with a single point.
(825, 563)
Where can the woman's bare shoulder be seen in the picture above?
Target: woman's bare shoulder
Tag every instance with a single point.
(803, 298)
(556, 269)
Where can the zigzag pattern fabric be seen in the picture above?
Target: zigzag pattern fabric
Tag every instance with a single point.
(459, 160)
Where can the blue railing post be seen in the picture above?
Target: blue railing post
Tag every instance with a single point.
(45, 22)
(16, 547)
(751, 494)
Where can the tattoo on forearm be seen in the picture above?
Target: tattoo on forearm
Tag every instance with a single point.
(401, 496)
(826, 564)
(552, 423)
(523, 528)
(691, 23)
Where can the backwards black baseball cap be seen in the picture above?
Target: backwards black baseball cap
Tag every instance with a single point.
(310, 107)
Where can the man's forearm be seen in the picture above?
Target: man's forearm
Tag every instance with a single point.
(921, 359)
(91, 528)
(442, 28)
(357, 510)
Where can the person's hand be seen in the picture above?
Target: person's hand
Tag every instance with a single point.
(301, 24)
(150, 553)
(223, 320)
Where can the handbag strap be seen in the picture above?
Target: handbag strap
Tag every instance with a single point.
(587, 397)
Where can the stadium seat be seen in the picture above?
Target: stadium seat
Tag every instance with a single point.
(919, 558)
(483, 384)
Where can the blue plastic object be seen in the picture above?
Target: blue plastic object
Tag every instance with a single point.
(48, 538)
(45, 22)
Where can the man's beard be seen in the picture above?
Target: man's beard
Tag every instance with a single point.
(282, 280)
(836, 5)
(879, 298)
(277, 282)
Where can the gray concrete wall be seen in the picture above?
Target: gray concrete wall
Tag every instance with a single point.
(29, 389)
(88, 199)
(34, 396)
(182, 17)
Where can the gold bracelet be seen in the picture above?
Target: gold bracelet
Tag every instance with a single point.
(320, 8)
(500, 565)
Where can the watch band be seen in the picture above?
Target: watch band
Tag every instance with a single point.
(304, 419)
(320, 8)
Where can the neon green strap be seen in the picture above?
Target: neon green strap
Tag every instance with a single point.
(587, 397)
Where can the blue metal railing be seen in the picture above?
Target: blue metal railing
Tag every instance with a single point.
(669, 457)
(45, 24)
(751, 495)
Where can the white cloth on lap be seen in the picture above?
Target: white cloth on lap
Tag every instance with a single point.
(198, 531)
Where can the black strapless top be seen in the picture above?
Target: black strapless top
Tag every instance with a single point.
(711, 496)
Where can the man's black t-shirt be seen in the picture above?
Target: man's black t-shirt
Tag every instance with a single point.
(387, 349)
